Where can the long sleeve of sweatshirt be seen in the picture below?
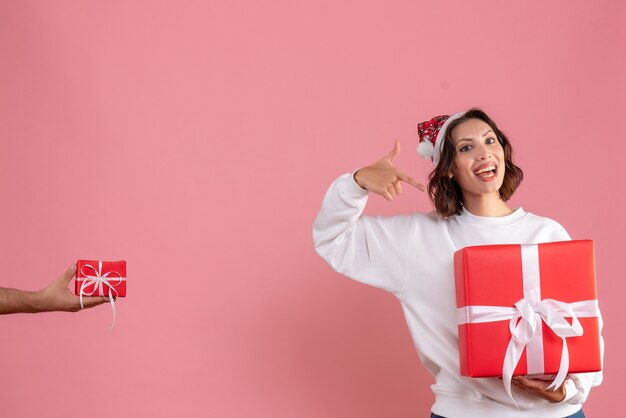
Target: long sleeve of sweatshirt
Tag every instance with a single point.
(369, 249)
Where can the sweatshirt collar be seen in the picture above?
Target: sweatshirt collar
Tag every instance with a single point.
(513, 217)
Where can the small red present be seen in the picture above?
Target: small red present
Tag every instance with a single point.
(528, 309)
(100, 278)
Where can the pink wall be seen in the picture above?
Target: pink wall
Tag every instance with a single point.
(196, 139)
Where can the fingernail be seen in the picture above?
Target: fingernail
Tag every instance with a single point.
(73, 267)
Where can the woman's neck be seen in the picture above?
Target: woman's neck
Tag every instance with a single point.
(486, 205)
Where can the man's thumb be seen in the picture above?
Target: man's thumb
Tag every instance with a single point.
(69, 273)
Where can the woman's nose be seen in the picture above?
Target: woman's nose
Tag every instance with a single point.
(485, 156)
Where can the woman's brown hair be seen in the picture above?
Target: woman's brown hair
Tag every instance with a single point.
(444, 192)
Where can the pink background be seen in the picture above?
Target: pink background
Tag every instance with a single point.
(196, 140)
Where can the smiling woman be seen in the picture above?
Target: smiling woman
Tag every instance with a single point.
(472, 142)
(411, 256)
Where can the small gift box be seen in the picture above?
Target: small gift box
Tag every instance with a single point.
(100, 278)
(528, 309)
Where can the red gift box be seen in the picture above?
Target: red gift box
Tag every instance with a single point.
(100, 278)
(531, 291)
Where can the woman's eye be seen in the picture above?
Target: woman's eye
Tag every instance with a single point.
(465, 148)
(490, 141)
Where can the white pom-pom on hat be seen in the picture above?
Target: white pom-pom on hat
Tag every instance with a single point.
(426, 149)
(429, 147)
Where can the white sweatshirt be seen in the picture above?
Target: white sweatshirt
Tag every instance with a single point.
(411, 256)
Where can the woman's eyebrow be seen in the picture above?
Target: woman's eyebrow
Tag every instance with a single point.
(470, 139)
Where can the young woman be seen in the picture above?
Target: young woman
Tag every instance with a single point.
(411, 256)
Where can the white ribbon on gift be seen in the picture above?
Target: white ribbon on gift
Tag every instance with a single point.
(99, 280)
(531, 310)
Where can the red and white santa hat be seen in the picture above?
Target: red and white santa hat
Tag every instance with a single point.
(431, 134)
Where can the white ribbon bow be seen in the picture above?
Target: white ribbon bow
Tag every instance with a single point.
(550, 311)
(553, 313)
(99, 280)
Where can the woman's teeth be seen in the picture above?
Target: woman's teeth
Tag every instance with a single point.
(486, 172)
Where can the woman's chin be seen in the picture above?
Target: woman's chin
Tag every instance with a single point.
(485, 190)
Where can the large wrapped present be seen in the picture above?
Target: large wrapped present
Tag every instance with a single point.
(528, 309)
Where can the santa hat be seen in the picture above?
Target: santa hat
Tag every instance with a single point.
(431, 134)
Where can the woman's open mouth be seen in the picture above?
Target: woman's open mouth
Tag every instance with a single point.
(487, 172)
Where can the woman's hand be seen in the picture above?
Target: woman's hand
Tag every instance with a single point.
(383, 178)
(538, 387)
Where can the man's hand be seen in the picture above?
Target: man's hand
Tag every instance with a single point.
(538, 387)
(383, 178)
(55, 297)
(58, 297)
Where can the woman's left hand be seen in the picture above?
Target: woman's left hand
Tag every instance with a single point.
(538, 387)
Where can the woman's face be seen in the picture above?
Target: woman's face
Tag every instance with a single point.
(479, 163)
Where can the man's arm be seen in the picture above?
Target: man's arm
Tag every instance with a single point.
(56, 297)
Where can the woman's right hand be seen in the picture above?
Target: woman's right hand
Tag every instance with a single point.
(383, 178)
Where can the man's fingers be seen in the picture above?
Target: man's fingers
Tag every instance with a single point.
(406, 178)
(394, 152)
(91, 301)
(68, 274)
